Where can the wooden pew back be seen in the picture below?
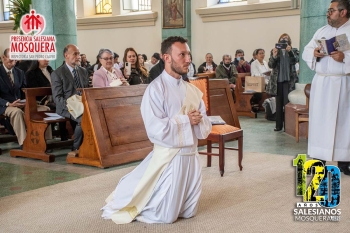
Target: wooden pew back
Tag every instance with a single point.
(209, 75)
(221, 101)
(113, 128)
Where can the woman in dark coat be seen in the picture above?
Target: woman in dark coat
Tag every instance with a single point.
(39, 75)
(283, 76)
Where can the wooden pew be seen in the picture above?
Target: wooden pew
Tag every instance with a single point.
(243, 106)
(35, 144)
(113, 128)
(209, 75)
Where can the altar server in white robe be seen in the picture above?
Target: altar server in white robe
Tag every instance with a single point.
(329, 113)
(167, 183)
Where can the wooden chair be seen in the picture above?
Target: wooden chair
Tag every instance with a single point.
(218, 99)
(35, 145)
(302, 114)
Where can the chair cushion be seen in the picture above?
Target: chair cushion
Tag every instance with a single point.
(223, 129)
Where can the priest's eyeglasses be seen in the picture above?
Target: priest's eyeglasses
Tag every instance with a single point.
(331, 10)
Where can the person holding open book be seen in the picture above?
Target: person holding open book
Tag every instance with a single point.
(329, 109)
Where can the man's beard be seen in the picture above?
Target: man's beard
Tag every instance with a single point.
(177, 69)
(332, 22)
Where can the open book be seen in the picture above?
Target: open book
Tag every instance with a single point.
(216, 120)
(337, 43)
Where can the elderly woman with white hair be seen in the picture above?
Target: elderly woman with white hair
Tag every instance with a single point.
(107, 75)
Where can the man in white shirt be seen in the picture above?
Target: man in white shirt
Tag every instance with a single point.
(154, 61)
(167, 183)
(329, 122)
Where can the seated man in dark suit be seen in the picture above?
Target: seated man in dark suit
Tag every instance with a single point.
(65, 81)
(11, 81)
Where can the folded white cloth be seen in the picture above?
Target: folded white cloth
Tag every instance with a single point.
(116, 83)
(75, 106)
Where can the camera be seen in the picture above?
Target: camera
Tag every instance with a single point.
(281, 45)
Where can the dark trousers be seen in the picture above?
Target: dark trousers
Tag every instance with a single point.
(78, 132)
(281, 100)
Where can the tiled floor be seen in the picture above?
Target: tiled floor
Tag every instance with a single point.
(22, 174)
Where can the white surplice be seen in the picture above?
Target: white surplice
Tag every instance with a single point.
(177, 191)
(329, 113)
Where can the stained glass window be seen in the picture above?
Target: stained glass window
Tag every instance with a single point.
(103, 7)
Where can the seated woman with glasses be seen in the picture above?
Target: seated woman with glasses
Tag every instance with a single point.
(138, 74)
(107, 75)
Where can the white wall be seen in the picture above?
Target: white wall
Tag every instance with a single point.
(215, 37)
(223, 37)
(145, 40)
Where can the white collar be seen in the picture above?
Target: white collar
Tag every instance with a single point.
(70, 68)
(107, 71)
(170, 79)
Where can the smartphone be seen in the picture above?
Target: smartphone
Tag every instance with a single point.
(281, 46)
(128, 68)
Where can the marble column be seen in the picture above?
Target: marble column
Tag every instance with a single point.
(60, 21)
(312, 17)
(184, 32)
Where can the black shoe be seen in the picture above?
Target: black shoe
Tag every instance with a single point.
(277, 129)
(344, 167)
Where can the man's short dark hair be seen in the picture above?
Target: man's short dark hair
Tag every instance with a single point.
(239, 51)
(156, 56)
(115, 55)
(168, 42)
(343, 5)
